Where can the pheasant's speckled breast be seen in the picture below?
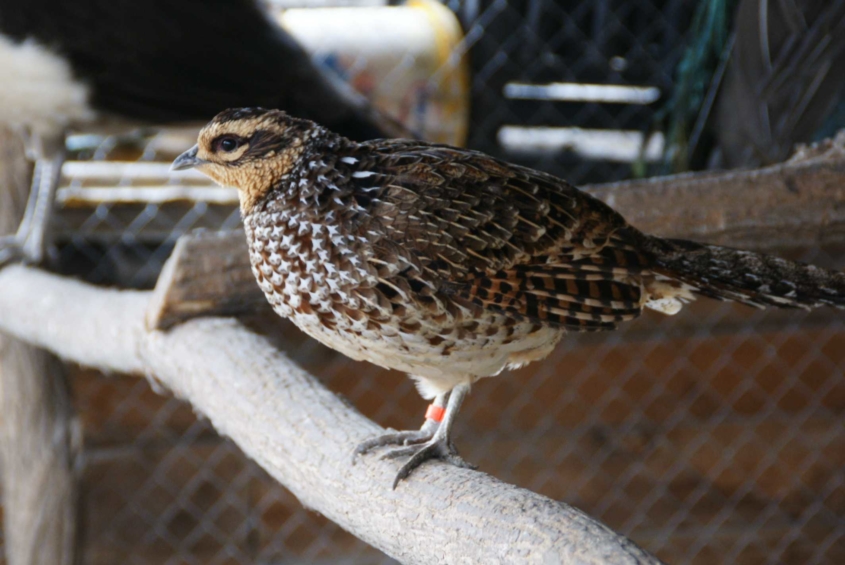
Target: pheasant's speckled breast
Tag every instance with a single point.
(331, 280)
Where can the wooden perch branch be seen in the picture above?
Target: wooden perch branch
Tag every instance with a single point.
(39, 437)
(303, 435)
(207, 274)
(40, 445)
(797, 203)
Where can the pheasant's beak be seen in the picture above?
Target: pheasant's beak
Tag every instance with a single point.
(187, 160)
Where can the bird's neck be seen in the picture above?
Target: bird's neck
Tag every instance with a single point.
(283, 176)
(314, 174)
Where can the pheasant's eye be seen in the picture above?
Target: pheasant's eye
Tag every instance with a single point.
(227, 143)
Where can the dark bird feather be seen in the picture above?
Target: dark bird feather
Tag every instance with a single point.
(158, 61)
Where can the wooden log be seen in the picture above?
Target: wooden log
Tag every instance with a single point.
(207, 274)
(303, 434)
(797, 204)
(39, 438)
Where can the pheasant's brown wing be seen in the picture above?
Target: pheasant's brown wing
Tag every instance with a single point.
(499, 235)
(586, 294)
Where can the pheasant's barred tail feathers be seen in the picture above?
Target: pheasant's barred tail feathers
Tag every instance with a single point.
(587, 294)
(750, 278)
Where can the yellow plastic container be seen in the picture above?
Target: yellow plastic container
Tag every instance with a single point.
(409, 60)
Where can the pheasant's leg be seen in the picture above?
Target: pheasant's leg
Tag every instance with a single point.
(30, 241)
(425, 433)
(34, 232)
(439, 446)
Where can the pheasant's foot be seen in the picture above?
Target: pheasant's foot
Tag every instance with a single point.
(432, 441)
(407, 437)
(438, 447)
(10, 250)
(30, 241)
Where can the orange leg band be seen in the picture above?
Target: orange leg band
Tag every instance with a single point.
(434, 412)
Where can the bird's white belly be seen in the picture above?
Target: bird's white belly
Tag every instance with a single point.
(436, 371)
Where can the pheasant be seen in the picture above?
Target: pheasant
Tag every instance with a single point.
(451, 265)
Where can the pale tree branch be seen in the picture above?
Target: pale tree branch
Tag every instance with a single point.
(39, 437)
(303, 435)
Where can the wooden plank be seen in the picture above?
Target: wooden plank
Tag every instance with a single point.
(110, 171)
(208, 274)
(146, 194)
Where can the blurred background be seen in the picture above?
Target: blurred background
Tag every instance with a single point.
(716, 436)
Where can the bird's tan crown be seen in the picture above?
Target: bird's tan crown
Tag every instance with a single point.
(251, 149)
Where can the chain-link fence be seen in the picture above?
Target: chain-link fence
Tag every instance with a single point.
(619, 42)
(715, 436)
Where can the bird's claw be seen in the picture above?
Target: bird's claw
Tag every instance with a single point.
(406, 437)
(391, 438)
(431, 441)
(418, 445)
(436, 448)
(10, 251)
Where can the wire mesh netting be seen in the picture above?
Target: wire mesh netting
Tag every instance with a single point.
(616, 42)
(713, 436)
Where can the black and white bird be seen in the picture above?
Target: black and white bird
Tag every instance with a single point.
(106, 64)
(157, 61)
